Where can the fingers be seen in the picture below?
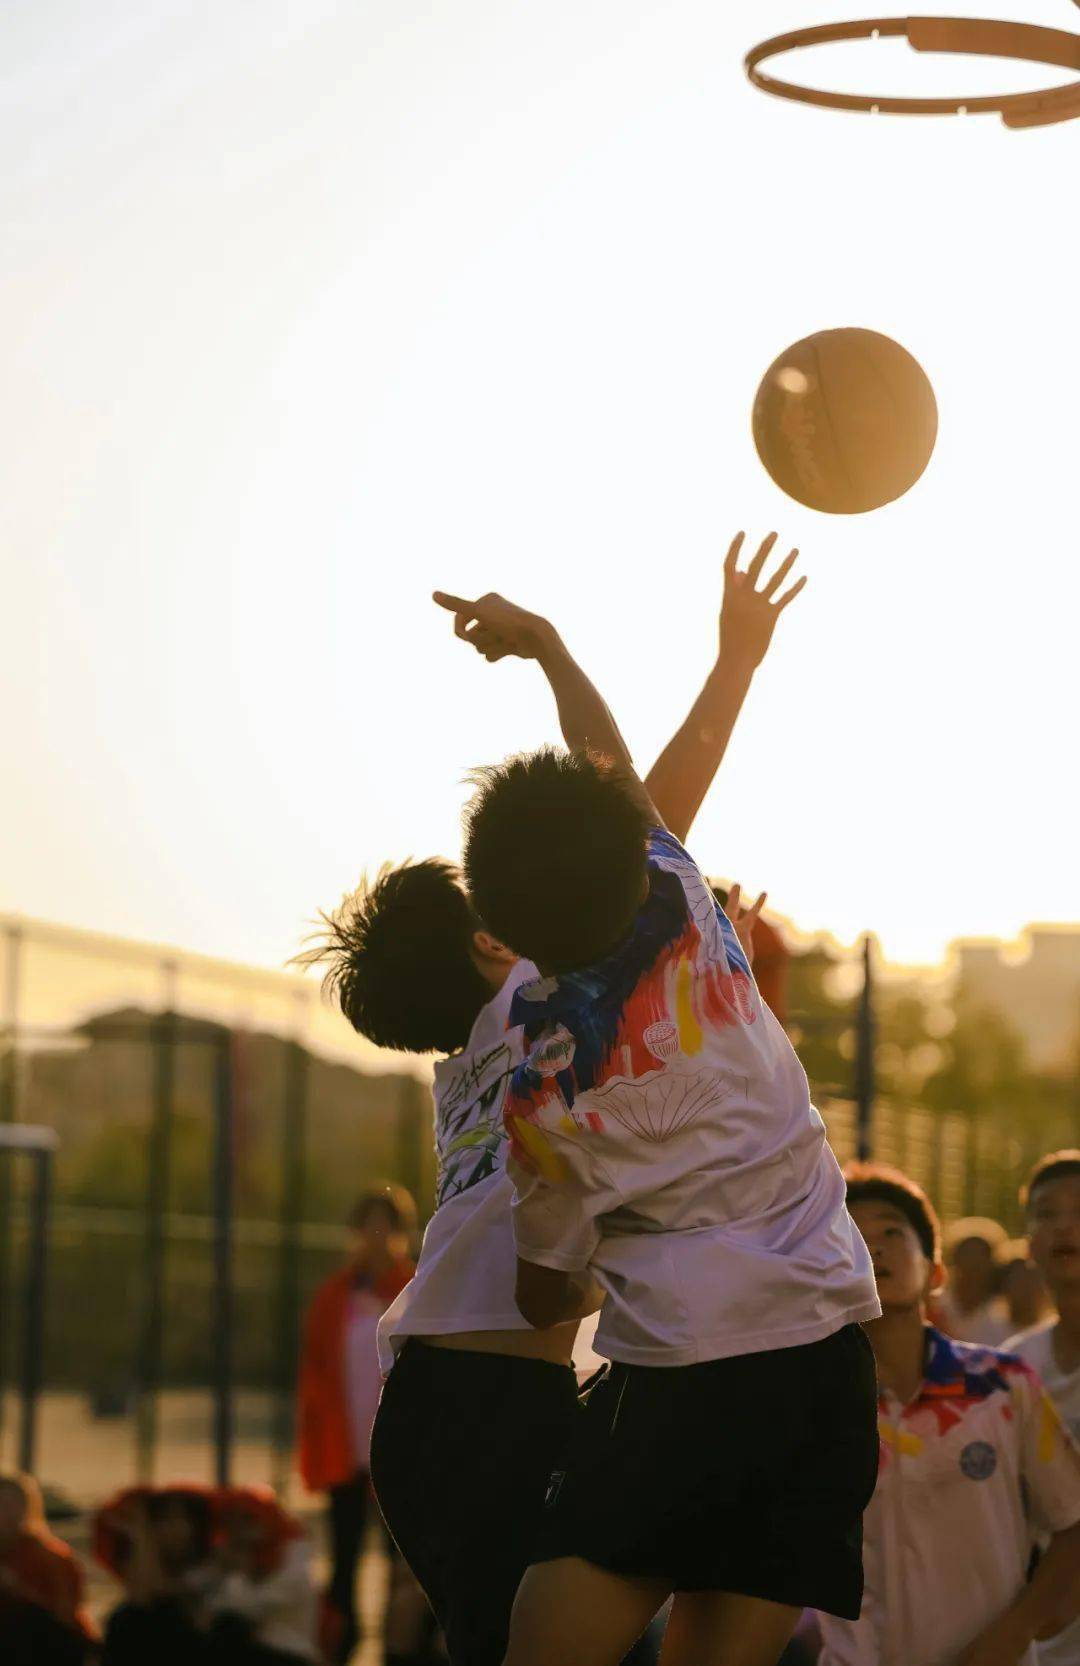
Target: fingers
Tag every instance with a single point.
(780, 575)
(732, 557)
(732, 909)
(754, 569)
(753, 913)
(790, 595)
(453, 604)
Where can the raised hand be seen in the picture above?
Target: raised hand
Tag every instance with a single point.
(744, 919)
(748, 615)
(497, 628)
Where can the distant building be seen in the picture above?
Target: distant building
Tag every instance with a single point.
(1039, 993)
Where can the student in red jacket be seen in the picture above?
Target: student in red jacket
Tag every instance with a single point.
(42, 1619)
(340, 1383)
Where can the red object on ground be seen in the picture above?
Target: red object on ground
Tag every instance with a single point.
(48, 1574)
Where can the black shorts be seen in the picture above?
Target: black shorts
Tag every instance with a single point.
(462, 1452)
(748, 1475)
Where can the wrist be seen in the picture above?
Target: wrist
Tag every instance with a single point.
(550, 648)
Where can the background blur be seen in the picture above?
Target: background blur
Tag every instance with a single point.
(309, 308)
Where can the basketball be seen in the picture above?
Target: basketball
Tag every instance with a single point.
(845, 421)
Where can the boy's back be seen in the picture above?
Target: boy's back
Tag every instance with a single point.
(663, 1135)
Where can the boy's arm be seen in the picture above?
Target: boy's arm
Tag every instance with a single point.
(547, 1296)
(1045, 1606)
(497, 629)
(684, 772)
(682, 775)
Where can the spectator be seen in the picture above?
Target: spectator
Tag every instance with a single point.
(263, 1610)
(42, 1619)
(340, 1386)
(969, 1306)
(158, 1543)
(1023, 1287)
(1052, 1201)
(973, 1459)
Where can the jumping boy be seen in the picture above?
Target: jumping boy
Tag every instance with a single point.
(664, 1145)
(478, 1404)
(973, 1460)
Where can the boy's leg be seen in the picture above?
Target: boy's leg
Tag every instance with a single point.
(719, 1628)
(349, 1510)
(572, 1610)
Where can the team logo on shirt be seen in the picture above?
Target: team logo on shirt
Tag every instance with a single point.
(978, 1460)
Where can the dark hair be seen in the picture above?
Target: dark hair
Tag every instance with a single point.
(555, 855)
(878, 1183)
(394, 1199)
(399, 959)
(1057, 1165)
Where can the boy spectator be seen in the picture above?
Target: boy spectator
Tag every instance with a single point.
(970, 1306)
(263, 1610)
(1052, 1201)
(340, 1384)
(974, 1460)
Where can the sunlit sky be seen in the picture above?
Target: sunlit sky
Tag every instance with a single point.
(308, 309)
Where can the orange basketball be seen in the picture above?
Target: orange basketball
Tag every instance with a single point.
(845, 421)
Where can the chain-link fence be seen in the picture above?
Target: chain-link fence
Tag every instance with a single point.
(212, 1125)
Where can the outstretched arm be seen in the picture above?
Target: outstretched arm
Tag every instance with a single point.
(498, 629)
(684, 771)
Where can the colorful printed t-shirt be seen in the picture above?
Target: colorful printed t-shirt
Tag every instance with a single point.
(1036, 1348)
(662, 1135)
(464, 1279)
(971, 1469)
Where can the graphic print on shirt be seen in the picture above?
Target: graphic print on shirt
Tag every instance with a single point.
(629, 1031)
(964, 1384)
(469, 1130)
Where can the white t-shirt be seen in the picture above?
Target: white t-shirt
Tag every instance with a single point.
(282, 1609)
(971, 1468)
(1036, 1347)
(988, 1325)
(465, 1276)
(362, 1377)
(662, 1135)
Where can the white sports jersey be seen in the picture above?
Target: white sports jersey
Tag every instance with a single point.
(663, 1136)
(465, 1276)
(971, 1469)
(1036, 1347)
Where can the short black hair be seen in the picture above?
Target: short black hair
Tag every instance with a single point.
(878, 1183)
(1056, 1165)
(394, 1199)
(555, 855)
(400, 962)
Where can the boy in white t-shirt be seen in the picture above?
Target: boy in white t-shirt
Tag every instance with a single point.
(974, 1463)
(664, 1144)
(1052, 1201)
(478, 1404)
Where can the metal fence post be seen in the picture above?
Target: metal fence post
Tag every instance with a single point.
(864, 1057)
(33, 1360)
(9, 1088)
(164, 1037)
(223, 1338)
(293, 1179)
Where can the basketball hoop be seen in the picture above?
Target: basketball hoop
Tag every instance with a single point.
(1028, 42)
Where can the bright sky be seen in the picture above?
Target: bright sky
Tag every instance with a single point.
(310, 308)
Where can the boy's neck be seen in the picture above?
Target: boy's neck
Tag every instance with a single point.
(898, 1339)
